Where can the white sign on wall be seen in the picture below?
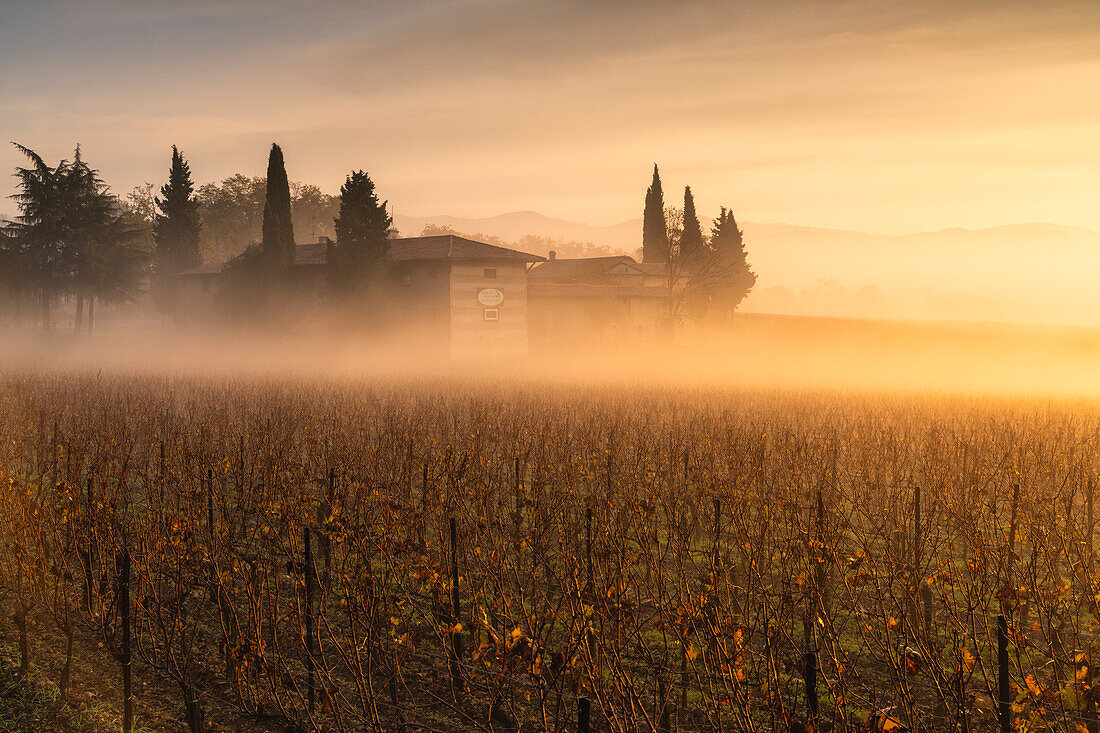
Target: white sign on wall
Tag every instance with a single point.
(490, 297)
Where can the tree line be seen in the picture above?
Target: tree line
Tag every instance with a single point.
(75, 240)
(705, 274)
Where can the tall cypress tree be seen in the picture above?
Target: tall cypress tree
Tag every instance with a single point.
(277, 244)
(737, 278)
(361, 250)
(654, 231)
(691, 240)
(176, 224)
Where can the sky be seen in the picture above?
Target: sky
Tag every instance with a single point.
(884, 116)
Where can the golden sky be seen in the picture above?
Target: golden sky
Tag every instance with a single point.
(885, 115)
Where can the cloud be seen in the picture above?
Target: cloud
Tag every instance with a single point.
(866, 114)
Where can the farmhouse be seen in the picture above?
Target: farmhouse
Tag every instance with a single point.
(473, 299)
(596, 300)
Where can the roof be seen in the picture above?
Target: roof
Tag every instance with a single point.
(306, 255)
(444, 247)
(580, 290)
(453, 247)
(208, 268)
(586, 268)
(652, 268)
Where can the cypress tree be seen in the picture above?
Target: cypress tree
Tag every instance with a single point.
(691, 240)
(737, 278)
(361, 250)
(654, 232)
(277, 243)
(176, 224)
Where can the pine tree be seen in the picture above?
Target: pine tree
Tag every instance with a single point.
(277, 243)
(361, 251)
(110, 262)
(737, 278)
(691, 239)
(654, 232)
(70, 237)
(176, 228)
(38, 242)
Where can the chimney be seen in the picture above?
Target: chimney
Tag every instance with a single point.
(553, 255)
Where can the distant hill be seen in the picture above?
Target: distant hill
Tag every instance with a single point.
(1034, 272)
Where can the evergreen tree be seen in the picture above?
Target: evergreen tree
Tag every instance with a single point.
(176, 225)
(253, 287)
(737, 278)
(277, 243)
(361, 250)
(37, 244)
(691, 237)
(109, 261)
(71, 237)
(654, 232)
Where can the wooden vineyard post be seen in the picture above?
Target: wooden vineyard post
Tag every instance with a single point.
(53, 455)
(922, 600)
(717, 529)
(89, 553)
(324, 519)
(456, 635)
(1004, 692)
(583, 713)
(309, 617)
(1090, 526)
(664, 724)
(810, 676)
(518, 517)
(124, 651)
(588, 542)
(420, 519)
(210, 505)
(240, 471)
(1012, 525)
(1008, 594)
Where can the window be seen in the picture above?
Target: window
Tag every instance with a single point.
(492, 314)
(490, 273)
(206, 285)
(406, 279)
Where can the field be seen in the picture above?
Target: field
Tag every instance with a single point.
(454, 553)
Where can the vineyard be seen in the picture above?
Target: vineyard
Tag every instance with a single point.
(453, 554)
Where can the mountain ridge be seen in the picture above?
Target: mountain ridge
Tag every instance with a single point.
(626, 236)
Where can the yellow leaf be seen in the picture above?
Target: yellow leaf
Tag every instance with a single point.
(1033, 686)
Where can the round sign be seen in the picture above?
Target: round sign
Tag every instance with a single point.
(490, 297)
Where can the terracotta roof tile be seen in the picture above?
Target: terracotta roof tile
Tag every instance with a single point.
(444, 247)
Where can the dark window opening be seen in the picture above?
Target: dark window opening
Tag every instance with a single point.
(490, 273)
